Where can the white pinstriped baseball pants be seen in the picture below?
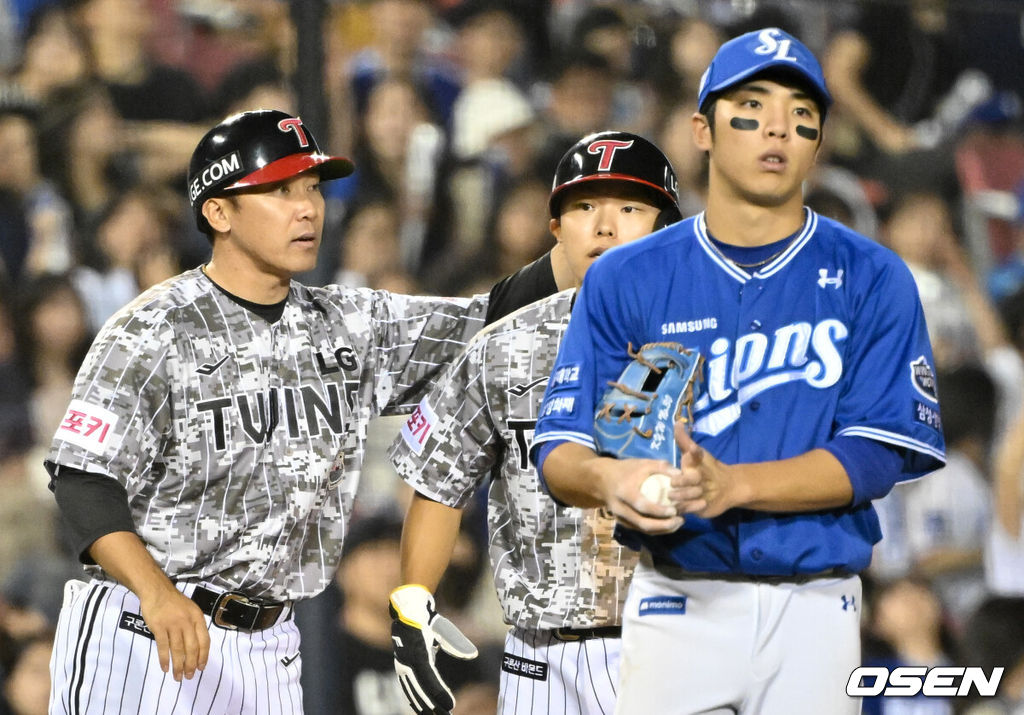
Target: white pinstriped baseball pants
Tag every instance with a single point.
(101, 665)
(542, 674)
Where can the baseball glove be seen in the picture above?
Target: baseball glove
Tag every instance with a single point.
(418, 631)
(636, 415)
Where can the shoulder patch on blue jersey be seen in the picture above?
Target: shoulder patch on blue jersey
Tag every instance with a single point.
(559, 406)
(923, 378)
(663, 606)
(566, 374)
(927, 415)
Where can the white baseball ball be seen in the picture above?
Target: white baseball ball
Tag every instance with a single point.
(655, 489)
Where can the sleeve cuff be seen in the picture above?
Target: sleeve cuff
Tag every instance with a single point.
(539, 453)
(873, 467)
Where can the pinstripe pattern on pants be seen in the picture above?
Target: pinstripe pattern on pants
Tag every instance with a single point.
(104, 661)
(542, 674)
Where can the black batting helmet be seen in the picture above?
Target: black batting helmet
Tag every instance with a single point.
(619, 156)
(253, 148)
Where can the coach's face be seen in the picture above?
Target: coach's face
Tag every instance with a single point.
(597, 215)
(765, 140)
(273, 229)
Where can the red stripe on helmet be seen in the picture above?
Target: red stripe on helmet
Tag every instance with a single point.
(330, 167)
(618, 177)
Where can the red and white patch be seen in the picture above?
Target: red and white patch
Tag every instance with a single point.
(87, 426)
(418, 427)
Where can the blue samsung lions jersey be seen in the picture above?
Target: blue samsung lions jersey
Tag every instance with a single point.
(826, 340)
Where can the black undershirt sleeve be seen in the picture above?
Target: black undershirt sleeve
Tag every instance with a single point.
(530, 283)
(91, 506)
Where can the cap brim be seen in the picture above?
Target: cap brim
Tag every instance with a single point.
(769, 65)
(329, 167)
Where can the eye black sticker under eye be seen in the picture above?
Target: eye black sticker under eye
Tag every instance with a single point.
(747, 125)
(807, 132)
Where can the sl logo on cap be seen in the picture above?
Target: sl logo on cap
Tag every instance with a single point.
(770, 43)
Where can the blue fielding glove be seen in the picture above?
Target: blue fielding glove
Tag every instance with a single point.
(636, 416)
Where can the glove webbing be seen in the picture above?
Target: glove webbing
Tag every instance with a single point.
(629, 410)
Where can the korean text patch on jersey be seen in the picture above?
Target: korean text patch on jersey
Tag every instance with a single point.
(87, 426)
(418, 427)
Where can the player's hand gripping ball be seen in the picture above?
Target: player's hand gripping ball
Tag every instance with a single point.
(655, 489)
(637, 414)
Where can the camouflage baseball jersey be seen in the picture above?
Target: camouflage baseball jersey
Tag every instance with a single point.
(240, 442)
(554, 566)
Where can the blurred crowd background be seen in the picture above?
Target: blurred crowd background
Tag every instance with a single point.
(455, 113)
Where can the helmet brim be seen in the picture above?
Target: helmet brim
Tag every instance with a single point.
(328, 167)
(556, 195)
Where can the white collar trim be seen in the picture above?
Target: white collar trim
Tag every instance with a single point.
(700, 229)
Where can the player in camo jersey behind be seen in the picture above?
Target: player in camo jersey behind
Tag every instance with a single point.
(208, 461)
(560, 577)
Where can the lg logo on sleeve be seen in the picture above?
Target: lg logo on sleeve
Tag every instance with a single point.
(908, 681)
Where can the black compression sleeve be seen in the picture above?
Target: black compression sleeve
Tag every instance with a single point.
(91, 506)
(530, 283)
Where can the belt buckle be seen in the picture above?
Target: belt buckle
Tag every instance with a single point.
(221, 606)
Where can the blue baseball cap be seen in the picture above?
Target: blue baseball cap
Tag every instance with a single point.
(743, 57)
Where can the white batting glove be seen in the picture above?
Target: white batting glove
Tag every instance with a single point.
(417, 631)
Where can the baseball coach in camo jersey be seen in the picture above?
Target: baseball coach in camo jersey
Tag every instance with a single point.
(208, 460)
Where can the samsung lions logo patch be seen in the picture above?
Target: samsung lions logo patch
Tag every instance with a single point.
(923, 378)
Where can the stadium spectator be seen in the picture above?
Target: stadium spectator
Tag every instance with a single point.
(46, 215)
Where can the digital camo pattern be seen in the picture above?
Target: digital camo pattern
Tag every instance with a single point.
(553, 566)
(239, 442)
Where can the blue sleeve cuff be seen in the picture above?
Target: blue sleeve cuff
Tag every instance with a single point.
(873, 467)
(540, 452)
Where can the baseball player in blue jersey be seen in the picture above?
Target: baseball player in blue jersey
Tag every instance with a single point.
(818, 395)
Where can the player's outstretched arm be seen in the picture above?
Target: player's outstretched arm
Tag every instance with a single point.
(576, 475)
(811, 481)
(177, 624)
(418, 631)
(428, 539)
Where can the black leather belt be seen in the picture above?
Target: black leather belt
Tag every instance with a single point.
(582, 634)
(675, 572)
(233, 610)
